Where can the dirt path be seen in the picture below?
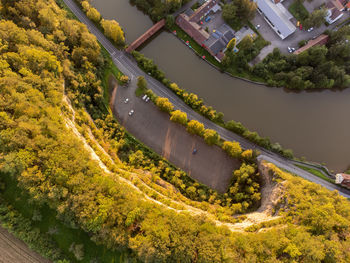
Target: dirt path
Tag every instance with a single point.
(13, 250)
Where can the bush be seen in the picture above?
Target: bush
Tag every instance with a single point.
(195, 127)
(164, 104)
(179, 117)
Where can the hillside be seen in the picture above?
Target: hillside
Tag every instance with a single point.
(70, 172)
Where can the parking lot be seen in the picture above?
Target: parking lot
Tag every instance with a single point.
(292, 40)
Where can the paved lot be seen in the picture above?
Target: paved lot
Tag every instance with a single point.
(291, 41)
(210, 165)
(13, 250)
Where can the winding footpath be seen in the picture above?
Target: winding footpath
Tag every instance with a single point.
(129, 66)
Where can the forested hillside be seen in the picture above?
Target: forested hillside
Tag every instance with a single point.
(118, 198)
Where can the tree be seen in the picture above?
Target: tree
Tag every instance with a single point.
(93, 14)
(229, 12)
(232, 148)
(245, 9)
(211, 137)
(316, 18)
(231, 44)
(124, 79)
(246, 43)
(142, 83)
(170, 21)
(179, 116)
(113, 31)
(164, 104)
(195, 127)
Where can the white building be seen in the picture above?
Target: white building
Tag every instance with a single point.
(277, 16)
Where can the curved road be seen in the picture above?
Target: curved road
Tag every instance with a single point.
(129, 66)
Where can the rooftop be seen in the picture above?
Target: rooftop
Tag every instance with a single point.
(278, 16)
(320, 40)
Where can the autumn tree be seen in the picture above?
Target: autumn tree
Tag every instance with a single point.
(164, 104)
(113, 31)
(231, 45)
(179, 116)
(195, 127)
(232, 148)
(211, 136)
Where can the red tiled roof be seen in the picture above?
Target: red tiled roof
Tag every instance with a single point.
(338, 4)
(196, 16)
(192, 29)
(320, 40)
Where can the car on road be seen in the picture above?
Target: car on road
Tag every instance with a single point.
(126, 100)
(147, 99)
(207, 19)
(194, 151)
(257, 27)
(131, 112)
(310, 29)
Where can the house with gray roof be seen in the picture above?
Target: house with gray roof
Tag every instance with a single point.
(277, 16)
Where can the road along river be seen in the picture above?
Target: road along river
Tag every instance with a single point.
(314, 124)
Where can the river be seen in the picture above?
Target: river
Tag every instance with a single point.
(314, 125)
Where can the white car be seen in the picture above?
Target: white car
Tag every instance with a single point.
(131, 112)
(290, 50)
(126, 100)
(310, 29)
(144, 97)
(147, 99)
(257, 27)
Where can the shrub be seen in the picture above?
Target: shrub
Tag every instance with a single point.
(179, 117)
(195, 127)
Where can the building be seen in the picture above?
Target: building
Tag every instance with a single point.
(320, 40)
(343, 180)
(215, 42)
(277, 16)
(334, 11)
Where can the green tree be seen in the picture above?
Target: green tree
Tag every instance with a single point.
(142, 83)
(229, 12)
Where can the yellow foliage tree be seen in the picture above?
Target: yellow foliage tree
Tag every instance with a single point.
(113, 30)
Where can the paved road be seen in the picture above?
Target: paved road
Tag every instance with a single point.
(128, 66)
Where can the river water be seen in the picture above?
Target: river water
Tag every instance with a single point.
(315, 125)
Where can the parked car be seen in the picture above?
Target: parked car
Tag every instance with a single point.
(147, 99)
(194, 151)
(257, 27)
(291, 49)
(310, 29)
(207, 19)
(131, 112)
(144, 97)
(126, 100)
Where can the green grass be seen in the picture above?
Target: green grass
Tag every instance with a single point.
(66, 235)
(298, 10)
(316, 172)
